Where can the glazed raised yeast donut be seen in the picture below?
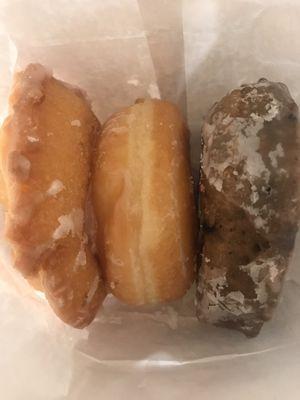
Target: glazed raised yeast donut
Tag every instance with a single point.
(46, 149)
(143, 199)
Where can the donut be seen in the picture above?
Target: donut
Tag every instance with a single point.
(46, 155)
(143, 199)
(249, 200)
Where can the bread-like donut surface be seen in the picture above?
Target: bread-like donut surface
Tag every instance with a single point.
(144, 203)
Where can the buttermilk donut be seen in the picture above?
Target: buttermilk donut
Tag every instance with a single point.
(144, 204)
(46, 154)
(249, 204)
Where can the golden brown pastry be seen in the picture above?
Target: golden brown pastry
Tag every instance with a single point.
(250, 204)
(46, 150)
(143, 199)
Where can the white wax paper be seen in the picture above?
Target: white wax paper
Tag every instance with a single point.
(190, 52)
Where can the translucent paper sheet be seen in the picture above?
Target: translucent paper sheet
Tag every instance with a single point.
(190, 52)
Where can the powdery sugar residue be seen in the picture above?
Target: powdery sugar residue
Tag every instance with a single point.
(243, 146)
(80, 259)
(275, 154)
(32, 139)
(265, 274)
(30, 86)
(242, 143)
(93, 289)
(248, 146)
(69, 224)
(273, 273)
(66, 226)
(76, 123)
(215, 306)
(241, 150)
(259, 222)
(55, 187)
